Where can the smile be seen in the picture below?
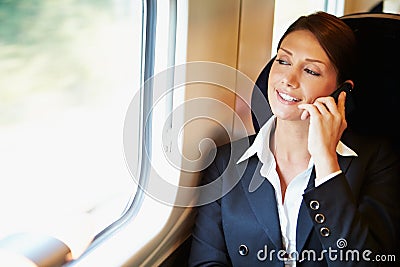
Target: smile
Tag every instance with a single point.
(288, 97)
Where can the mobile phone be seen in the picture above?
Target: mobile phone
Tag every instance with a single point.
(349, 104)
(344, 87)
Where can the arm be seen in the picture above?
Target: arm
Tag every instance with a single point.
(208, 241)
(361, 206)
(361, 203)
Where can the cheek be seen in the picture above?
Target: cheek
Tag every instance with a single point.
(274, 73)
(270, 88)
(314, 90)
(324, 88)
(275, 76)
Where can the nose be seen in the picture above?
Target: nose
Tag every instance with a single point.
(291, 78)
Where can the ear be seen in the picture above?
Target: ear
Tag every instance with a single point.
(350, 82)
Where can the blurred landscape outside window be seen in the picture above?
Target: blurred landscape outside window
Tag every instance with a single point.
(68, 71)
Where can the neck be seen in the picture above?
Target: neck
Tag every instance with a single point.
(291, 141)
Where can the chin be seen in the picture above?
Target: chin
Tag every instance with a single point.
(288, 116)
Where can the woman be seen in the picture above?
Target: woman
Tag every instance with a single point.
(311, 192)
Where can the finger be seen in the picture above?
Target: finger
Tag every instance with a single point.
(329, 104)
(311, 109)
(305, 115)
(322, 108)
(341, 103)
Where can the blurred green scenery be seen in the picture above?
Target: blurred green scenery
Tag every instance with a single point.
(56, 53)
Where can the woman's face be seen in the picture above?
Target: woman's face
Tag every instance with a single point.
(301, 73)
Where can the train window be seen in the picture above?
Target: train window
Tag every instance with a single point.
(140, 238)
(391, 6)
(69, 70)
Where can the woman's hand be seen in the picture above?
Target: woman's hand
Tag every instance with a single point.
(327, 123)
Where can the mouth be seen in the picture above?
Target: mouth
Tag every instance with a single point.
(288, 98)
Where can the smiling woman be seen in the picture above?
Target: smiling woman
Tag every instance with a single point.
(287, 176)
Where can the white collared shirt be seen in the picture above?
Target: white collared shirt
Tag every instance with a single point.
(288, 210)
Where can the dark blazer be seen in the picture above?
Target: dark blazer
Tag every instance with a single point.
(351, 214)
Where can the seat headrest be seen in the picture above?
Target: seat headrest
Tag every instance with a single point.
(260, 109)
(377, 78)
(377, 89)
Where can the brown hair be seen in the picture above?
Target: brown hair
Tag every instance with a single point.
(336, 38)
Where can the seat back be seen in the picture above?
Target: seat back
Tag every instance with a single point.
(376, 92)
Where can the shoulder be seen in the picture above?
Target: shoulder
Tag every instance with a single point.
(225, 156)
(372, 146)
(233, 150)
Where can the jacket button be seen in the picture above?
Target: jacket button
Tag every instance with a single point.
(319, 218)
(325, 232)
(314, 205)
(243, 250)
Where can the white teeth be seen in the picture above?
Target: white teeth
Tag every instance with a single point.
(288, 97)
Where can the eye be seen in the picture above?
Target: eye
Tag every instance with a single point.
(282, 62)
(312, 72)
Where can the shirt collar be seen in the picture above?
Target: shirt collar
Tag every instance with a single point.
(262, 142)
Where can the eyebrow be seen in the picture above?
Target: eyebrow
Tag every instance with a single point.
(307, 59)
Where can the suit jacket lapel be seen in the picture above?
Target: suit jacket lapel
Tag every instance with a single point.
(304, 223)
(261, 196)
